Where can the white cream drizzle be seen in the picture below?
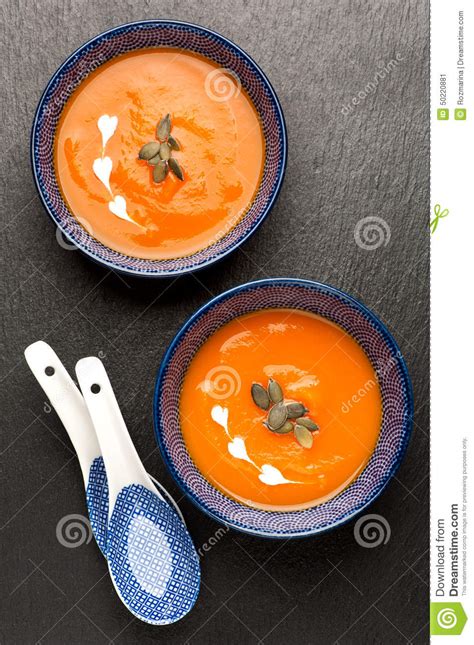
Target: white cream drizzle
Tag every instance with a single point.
(272, 476)
(238, 449)
(102, 167)
(107, 126)
(268, 474)
(236, 446)
(119, 208)
(221, 416)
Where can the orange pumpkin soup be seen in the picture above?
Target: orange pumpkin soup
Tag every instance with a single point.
(246, 444)
(116, 196)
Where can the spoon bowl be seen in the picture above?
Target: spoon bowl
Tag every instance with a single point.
(151, 558)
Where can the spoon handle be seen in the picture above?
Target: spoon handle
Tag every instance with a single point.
(122, 463)
(66, 399)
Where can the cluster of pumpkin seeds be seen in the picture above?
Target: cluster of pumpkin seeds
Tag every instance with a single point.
(159, 153)
(284, 417)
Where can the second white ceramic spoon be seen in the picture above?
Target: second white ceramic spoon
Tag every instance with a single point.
(152, 560)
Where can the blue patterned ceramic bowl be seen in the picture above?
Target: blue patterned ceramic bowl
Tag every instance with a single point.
(132, 37)
(386, 359)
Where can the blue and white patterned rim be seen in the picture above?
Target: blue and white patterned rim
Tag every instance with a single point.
(394, 382)
(132, 37)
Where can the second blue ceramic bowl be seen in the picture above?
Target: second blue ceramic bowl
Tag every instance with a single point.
(133, 37)
(356, 320)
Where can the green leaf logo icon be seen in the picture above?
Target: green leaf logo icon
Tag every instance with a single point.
(439, 214)
(447, 618)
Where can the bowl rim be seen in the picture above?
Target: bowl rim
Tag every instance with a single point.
(276, 190)
(407, 423)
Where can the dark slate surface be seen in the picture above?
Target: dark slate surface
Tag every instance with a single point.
(371, 162)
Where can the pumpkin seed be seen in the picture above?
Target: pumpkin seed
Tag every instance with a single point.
(163, 128)
(303, 436)
(160, 171)
(277, 416)
(275, 391)
(285, 428)
(176, 168)
(165, 151)
(149, 150)
(154, 160)
(174, 145)
(260, 396)
(296, 410)
(307, 423)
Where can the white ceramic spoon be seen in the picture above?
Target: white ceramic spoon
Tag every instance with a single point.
(70, 406)
(151, 557)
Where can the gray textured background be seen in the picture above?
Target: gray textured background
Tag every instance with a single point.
(375, 161)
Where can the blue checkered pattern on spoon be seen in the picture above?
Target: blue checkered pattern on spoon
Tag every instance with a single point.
(151, 558)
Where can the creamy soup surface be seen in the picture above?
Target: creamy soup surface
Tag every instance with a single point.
(316, 364)
(115, 111)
